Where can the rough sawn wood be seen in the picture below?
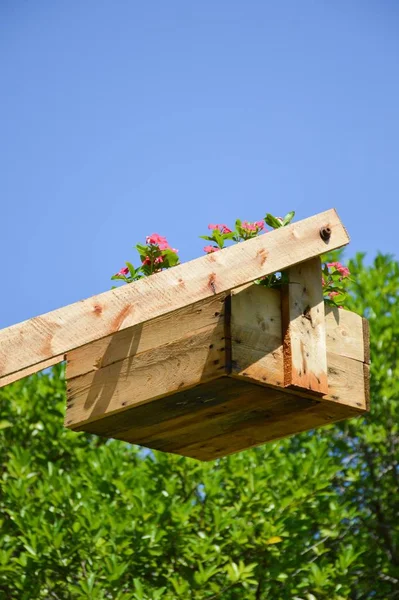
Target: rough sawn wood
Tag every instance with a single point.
(199, 360)
(230, 394)
(30, 345)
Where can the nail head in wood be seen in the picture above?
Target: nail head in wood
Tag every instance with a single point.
(325, 233)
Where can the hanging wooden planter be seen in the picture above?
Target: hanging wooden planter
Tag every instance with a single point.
(199, 361)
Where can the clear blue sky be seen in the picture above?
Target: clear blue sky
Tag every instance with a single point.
(122, 118)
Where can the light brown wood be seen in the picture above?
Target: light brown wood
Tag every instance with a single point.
(175, 396)
(150, 335)
(141, 364)
(304, 330)
(218, 418)
(43, 338)
(252, 407)
(257, 350)
(256, 323)
(56, 360)
(345, 333)
(256, 326)
(345, 377)
(366, 340)
(258, 430)
(146, 376)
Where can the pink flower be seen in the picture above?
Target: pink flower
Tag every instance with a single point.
(158, 260)
(248, 226)
(160, 241)
(124, 271)
(210, 249)
(163, 245)
(147, 261)
(221, 227)
(157, 240)
(333, 294)
(254, 227)
(343, 271)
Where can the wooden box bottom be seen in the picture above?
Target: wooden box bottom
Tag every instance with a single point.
(217, 418)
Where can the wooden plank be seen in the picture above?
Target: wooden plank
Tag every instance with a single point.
(257, 350)
(256, 323)
(258, 431)
(304, 330)
(159, 332)
(345, 376)
(345, 333)
(42, 338)
(366, 340)
(251, 407)
(166, 413)
(366, 375)
(146, 376)
(31, 370)
(199, 414)
(217, 418)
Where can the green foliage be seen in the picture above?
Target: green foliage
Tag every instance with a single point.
(309, 518)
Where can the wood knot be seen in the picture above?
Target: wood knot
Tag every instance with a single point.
(97, 309)
(211, 282)
(306, 314)
(262, 255)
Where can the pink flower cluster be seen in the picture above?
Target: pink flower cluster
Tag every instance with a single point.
(155, 256)
(157, 261)
(160, 241)
(254, 227)
(343, 271)
(210, 249)
(221, 227)
(244, 231)
(334, 279)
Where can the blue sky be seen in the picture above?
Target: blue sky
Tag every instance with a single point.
(123, 118)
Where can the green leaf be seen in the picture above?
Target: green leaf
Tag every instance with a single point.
(218, 237)
(275, 539)
(272, 221)
(131, 268)
(142, 250)
(288, 218)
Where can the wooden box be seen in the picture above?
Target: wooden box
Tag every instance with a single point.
(198, 360)
(209, 379)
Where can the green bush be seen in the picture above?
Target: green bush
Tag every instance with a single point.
(311, 517)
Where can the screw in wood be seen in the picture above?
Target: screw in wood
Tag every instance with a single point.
(325, 233)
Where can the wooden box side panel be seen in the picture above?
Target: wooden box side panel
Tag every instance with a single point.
(258, 430)
(304, 330)
(217, 418)
(255, 325)
(146, 362)
(205, 422)
(257, 346)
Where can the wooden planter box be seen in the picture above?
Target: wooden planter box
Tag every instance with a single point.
(209, 380)
(198, 362)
